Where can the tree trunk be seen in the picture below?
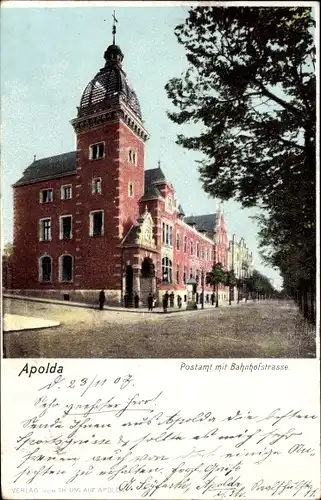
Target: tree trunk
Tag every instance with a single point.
(216, 296)
(305, 302)
(300, 298)
(312, 299)
(230, 296)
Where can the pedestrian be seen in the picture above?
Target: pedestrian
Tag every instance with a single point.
(154, 301)
(126, 299)
(136, 300)
(150, 302)
(171, 299)
(102, 299)
(165, 302)
(212, 299)
(179, 301)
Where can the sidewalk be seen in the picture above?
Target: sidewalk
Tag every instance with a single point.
(142, 309)
(16, 322)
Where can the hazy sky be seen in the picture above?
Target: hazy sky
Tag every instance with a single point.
(48, 55)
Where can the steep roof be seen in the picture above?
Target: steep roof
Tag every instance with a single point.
(131, 236)
(49, 168)
(205, 222)
(151, 192)
(109, 83)
(154, 175)
(181, 210)
(65, 163)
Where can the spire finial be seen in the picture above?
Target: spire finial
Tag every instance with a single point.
(221, 207)
(114, 27)
(159, 164)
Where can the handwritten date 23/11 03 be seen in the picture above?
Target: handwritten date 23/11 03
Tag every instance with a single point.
(86, 383)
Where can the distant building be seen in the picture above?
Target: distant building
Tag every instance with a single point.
(240, 258)
(95, 218)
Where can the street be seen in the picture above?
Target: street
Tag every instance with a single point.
(254, 330)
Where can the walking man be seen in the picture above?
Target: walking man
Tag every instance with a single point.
(102, 299)
(165, 302)
(150, 302)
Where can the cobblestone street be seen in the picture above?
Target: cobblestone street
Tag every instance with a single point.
(256, 329)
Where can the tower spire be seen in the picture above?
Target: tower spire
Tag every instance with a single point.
(114, 27)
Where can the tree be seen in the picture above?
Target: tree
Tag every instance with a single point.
(251, 87)
(216, 277)
(230, 281)
(259, 286)
(7, 250)
(239, 286)
(7, 256)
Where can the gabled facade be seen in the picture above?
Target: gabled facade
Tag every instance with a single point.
(95, 218)
(240, 258)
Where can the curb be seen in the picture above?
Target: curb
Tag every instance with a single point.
(140, 310)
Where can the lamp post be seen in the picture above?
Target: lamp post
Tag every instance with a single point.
(233, 244)
(202, 284)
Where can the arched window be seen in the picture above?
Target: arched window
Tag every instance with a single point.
(45, 269)
(65, 268)
(167, 271)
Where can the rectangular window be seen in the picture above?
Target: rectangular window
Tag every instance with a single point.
(96, 185)
(46, 195)
(185, 243)
(45, 270)
(177, 274)
(96, 223)
(132, 157)
(45, 229)
(131, 190)
(207, 254)
(197, 249)
(192, 247)
(167, 235)
(185, 275)
(97, 151)
(65, 229)
(178, 241)
(66, 192)
(203, 253)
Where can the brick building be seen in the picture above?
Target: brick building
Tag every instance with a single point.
(95, 218)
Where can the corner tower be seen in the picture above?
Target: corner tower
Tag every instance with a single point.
(109, 171)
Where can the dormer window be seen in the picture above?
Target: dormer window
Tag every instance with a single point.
(97, 151)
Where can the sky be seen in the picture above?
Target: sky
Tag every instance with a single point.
(49, 54)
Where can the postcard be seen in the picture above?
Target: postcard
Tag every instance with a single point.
(159, 234)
